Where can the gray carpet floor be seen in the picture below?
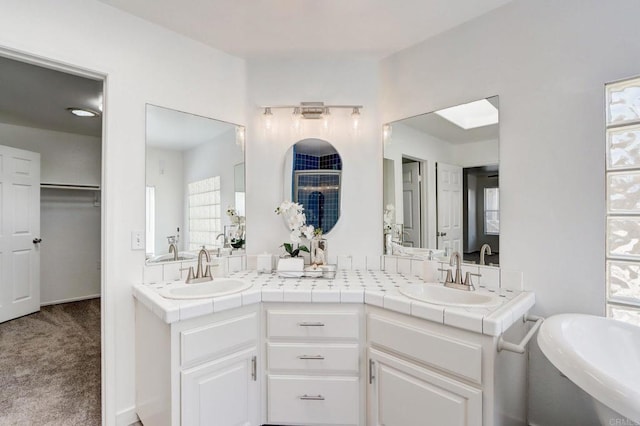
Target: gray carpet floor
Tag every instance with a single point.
(50, 366)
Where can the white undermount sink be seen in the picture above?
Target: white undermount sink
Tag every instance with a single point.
(438, 294)
(601, 356)
(215, 288)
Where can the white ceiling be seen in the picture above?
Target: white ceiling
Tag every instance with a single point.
(38, 97)
(308, 28)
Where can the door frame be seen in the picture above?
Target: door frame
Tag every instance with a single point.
(107, 330)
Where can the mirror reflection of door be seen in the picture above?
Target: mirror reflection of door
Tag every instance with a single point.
(411, 202)
(449, 190)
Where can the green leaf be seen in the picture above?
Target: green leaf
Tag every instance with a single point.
(295, 253)
(303, 248)
(288, 248)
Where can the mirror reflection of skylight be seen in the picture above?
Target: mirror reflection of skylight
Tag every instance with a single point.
(472, 115)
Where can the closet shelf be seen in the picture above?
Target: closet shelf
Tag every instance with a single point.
(74, 187)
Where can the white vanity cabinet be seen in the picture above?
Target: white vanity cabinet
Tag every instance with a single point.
(421, 373)
(200, 371)
(314, 359)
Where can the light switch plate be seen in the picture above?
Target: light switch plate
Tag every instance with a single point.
(137, 240)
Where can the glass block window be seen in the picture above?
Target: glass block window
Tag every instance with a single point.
(205, 221)
(491, 211)
(623, 200)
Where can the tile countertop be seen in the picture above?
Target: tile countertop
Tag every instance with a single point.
(377, 288)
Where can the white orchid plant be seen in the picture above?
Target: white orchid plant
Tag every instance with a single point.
(293, 214)
(237, 240)
(389, 218)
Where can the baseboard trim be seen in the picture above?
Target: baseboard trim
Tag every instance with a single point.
(127, 417)
(73, 299)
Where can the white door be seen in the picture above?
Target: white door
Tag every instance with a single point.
(404, 394)
(449, 195)
(411, 203)
(19, 233)
(223, 392)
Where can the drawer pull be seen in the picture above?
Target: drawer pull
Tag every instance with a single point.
(306, 397)
(254, 368)
(311, 324)
(318, 357)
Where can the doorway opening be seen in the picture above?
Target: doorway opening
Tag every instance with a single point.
(481, 213)
(52, 243)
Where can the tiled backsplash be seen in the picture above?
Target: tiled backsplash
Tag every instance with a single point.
(489, 276)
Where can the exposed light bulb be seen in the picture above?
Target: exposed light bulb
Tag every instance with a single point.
(240, 137)
(355, 118)
(268, 118)
(296, 118)
(326, 120)
(386, 133)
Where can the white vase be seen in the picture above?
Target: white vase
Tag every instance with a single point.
(291, 267)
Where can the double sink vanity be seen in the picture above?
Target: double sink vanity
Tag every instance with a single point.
(374, 347)
(381, 341)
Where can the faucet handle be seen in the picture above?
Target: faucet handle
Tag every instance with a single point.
(190, 274)
(468, 282)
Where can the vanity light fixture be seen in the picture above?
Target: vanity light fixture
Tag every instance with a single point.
(83, 112)
(471, 115)
(311, 111)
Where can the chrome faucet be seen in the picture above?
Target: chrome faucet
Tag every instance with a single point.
(455, 257)
(173, 249)
(224, 243)
(484, 249)
(199, 275)
(457, 282)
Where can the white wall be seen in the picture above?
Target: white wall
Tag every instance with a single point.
(165, 172)
(143, 64)
(548, 61)
(70, 249)
(69, 220)
(277, 82)
(65, 158)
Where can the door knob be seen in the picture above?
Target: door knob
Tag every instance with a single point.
(37, 240)
(441, 234)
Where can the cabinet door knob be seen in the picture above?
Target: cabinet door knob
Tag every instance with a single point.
(37, 240)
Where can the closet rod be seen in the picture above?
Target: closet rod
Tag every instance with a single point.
(75, 187)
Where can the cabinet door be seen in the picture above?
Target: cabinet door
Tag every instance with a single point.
(223, 392)
(401, 393)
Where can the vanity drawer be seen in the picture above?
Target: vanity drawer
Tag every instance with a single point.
(202, 343)
(313, 400)
(455, 356)
(301, 325)
(342, 358)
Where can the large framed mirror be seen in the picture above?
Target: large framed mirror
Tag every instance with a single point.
(441, 182)
(195, 185)
(313, 177)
